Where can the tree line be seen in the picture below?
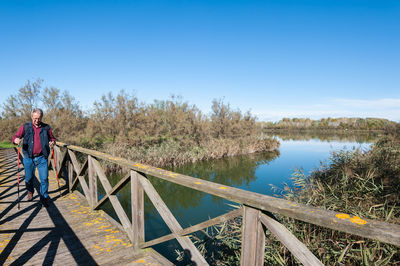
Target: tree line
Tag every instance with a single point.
(342, 123)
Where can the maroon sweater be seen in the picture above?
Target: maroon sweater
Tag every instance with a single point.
(37, 147)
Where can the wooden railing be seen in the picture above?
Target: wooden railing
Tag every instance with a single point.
(255, 211)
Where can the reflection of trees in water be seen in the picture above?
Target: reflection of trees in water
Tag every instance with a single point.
(353, 136)
(232, 171)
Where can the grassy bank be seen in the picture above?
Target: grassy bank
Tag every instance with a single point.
(362, 183)
(6, 144)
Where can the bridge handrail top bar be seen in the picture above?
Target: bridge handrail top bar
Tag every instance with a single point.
(382, 231)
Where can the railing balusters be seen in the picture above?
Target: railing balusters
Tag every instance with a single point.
(119, 210)
(75, 167)
(171, 221)
(295, 246)
(102, 177)
(114, 190)
(74, 161)
(192, 229)
(79, 170)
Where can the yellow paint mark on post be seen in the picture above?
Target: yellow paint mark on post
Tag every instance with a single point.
(358, 220)
(223, 188)
(198, 183)
(354, 219)
(343, 216)
(173, 175)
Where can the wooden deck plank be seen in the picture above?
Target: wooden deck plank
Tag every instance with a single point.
(66, 233)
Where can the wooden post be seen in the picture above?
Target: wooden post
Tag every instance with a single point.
(253, 238)
(92, 183)
(137, 205)
(70, 175)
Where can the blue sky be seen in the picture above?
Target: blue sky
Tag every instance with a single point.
(276, 58)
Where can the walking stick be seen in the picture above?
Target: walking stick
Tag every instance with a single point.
(55, 170)
(18, 176)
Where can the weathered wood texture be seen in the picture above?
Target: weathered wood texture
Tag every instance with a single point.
(170, 220)
(253, 238)
(385, 232)
(93, 195)
(119, 210)
(137, 206)
(297, 248)
(220, 219)
(66, 233)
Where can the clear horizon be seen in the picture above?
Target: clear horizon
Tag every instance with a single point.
(278, 59)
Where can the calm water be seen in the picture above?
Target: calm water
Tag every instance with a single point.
(256, 172)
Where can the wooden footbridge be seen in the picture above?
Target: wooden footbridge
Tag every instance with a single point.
(74, 231)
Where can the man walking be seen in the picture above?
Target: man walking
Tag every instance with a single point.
(37, 141)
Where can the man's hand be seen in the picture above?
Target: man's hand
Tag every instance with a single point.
(51, 144)
(17, 141)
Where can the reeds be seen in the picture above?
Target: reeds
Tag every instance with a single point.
(362, 183)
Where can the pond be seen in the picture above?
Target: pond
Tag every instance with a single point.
(255, 172)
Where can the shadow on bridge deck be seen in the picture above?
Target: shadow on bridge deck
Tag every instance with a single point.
(65, 233)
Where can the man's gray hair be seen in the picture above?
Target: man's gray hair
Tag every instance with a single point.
(37, 111)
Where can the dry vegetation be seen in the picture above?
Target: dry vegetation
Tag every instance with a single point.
(167, 132)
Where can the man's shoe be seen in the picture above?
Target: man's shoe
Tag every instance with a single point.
(30, 196)
(45, 202)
